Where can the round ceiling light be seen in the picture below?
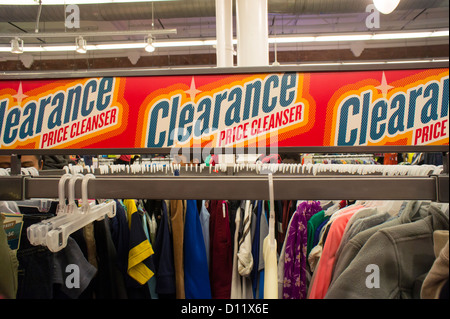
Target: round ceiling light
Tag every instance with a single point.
(386, 6)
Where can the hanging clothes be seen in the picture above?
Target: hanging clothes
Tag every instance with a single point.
(35, 265)
(409, 212)
(257, 250)
(269, 246)
(8, 267)
(71, 255)
(140, 261)
(236, 286)
(289, 208)
(120, 234)
(244, 254)
(204, 222)
(110, 281)
(280, 268)
(270, 271)
(220, 250)
(163, 259)
(313, 223)
(437, 277)
(196, 274)
(324, 270)
(153, 209)
(241, 286)
(403, 254)
(295, 279)
(177, 218)
(263, 233)
(148, 229)
(359, 214)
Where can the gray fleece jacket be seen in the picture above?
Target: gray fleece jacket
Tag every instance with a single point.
(392, 262)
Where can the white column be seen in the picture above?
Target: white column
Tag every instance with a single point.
(224, 33)
(252, 33)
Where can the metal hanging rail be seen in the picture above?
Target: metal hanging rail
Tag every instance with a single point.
(432, 188)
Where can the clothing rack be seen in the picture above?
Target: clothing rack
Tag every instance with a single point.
(341, 156)
(254, 186)
(315, 158)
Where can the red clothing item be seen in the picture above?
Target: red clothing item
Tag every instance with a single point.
(125, 158)
(221, 255)
(324, 271)
(390, 159)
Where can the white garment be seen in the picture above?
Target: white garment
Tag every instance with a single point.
(241, 287)
(270, 271)
(236, 292)
(244, 254)
(270, 260)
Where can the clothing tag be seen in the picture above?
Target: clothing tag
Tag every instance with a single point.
(12, 224)
(280, 227)
(223, 210)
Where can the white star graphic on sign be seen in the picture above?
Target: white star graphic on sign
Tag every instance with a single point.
(384, 87)
(20, 96)
(193, 90)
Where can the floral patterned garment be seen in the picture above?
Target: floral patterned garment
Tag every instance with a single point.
(294, 284)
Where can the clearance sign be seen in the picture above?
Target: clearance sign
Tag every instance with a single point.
(351, 108)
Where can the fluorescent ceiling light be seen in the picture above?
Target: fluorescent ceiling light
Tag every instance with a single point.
(90, 34)
(169, 44)
(403, 35)
(67, 2)
(212, 42)
(116, 46)
(440, 34)
(360, 37)
(354, 37)
(386, 6)
(292, 39)
(51, 48)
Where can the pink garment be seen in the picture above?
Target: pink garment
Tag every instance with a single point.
(324, 270)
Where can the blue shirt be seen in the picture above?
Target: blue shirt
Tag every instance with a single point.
(196, 274)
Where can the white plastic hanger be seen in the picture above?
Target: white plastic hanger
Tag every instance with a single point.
(37, 233)
(57, 238)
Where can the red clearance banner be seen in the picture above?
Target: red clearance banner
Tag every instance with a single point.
(346, 108)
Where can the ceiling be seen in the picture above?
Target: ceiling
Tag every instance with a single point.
(195, 19)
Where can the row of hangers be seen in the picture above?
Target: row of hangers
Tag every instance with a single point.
(24, 171)
(309, 168)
